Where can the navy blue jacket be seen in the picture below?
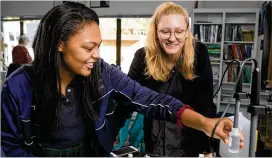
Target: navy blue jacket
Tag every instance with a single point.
(16, 106)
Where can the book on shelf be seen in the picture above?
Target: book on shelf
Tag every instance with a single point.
(237, 51)
(231, 74)
(215, 59)
(215, 71)
(214, 48)
(207, 22)
(208, 33)
(234, 32)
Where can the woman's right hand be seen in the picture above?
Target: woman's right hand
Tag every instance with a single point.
(222, 130)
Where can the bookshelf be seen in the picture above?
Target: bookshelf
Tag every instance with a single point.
(228, 34)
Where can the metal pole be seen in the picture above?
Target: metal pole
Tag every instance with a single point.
(252, 140)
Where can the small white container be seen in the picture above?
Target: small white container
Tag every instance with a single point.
(234, 140)
(244, 125)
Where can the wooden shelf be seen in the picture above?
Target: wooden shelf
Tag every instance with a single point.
(232, 83)
(233, 103)
(241, 23)
(203, 23)
(240, 42)
(211, 42)
(228, 61)
(246, 17)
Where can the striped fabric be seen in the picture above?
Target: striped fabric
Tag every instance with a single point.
(77, 151)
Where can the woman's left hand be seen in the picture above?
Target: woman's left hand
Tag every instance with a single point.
(222, 130)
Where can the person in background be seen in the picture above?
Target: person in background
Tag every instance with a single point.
(20, 55)
(2, 48)
(174, 63)
(3, 45)
(69, 102)
(2, 59)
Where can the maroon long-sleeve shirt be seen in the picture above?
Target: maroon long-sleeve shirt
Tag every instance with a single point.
(20, 55)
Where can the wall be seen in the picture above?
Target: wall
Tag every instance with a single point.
(38, 8)
(136, 8)
(25, 8)
(231, 4)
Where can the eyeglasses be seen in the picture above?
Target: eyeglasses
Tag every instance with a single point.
(166, 34)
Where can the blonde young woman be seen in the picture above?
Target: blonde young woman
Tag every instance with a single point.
(175, 64)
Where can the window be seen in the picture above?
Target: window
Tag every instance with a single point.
(108, 45)
(11, 33)
(30, 28)
(133, 37)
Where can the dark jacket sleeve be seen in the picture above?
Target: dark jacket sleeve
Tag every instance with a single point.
(12, 142)
(137, 67)
(203, 98)
(204, 88)
(27, 56)
(143, 100)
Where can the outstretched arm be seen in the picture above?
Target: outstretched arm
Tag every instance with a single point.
(163, 107)
(197, 121)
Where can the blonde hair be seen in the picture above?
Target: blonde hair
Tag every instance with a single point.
(156, 58)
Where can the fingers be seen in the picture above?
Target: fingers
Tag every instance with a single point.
(242, 144)
(226, 141)
(225, 129)
(241, 136)
(228, 123)
(223, 136)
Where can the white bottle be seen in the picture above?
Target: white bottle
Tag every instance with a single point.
(234, 140)
(244, 125)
